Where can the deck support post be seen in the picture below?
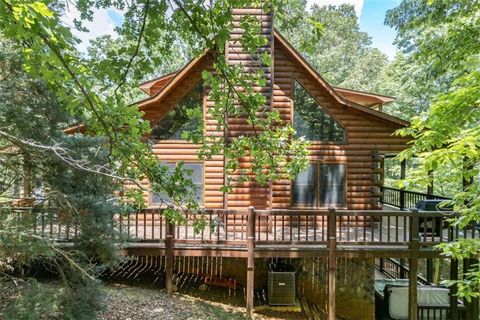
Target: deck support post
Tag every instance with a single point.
(413, 266)
(475, 301)
(430, 270)
(402, 268)
(453, 289)
(250, 260)
(430, 185)
(403, 175)
(429, 196)
(332, 262)
(169, 238)
(381, 264)
(472, 306)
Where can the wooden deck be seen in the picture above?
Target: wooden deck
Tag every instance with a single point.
(254, 234)
(293, 233)
(279, 233)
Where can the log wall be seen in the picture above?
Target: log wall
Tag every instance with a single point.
(367, 135)
(251, 193)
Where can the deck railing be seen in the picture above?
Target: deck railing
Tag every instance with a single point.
(280, 227)
(396, 269)
(249, 231)
(404, 199)
(441, 312)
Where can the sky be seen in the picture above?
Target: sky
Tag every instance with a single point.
(371, 14)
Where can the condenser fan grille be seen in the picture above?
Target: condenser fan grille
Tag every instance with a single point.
(281, 288)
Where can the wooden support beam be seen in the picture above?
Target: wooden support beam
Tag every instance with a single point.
(430, 185)
(381, 264)
(169, 238)
(403, 174)
(472, 306)
(475, 301)
(332, 262)
(403, 169)
(413, 267)
(402, 268)
(430, 270)
(453, 290)
(250, 260)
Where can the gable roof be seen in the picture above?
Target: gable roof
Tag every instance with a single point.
(365, 98)
(297, 57)
(170, 81)
(153, 86)
(158, 88)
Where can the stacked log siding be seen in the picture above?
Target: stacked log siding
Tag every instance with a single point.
(368, 134)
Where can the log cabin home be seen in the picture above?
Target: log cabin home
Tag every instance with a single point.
(329, 223)
(348, 132)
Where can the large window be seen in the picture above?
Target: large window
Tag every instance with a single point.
(187, 116)
(311, 121)
(320, 185)
(196, 170)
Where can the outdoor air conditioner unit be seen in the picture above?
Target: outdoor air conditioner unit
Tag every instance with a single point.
(281, 288)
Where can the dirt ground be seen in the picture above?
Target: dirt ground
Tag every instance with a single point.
(134, 302)
(125, 302)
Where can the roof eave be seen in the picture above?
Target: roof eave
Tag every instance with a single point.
(331, 90)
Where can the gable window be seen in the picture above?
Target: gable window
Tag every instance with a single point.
(196, 170)
(320, 185)
(186, 116)
(311, 121)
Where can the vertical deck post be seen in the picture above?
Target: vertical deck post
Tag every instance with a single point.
(453, 289)
(382, 264)
(250, 259)
(430, 185)
(414, 244)
(403, 174)
(475, 301)
(169, 236)
(429, 260)
(430, 270)
(332, 262)
(472, 306)
(402, 268)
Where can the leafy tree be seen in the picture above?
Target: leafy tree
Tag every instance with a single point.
(65, 181)
(76, 173)
(331, 40)
(99, 90)
(443, 36)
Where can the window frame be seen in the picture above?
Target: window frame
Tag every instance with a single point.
(314, 97)
(318, 164)
(175, 162)
(204, 115)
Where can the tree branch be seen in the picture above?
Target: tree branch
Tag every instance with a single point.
(135, 53)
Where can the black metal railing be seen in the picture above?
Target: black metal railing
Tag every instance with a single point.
(441, 312)
(397, 269)
(405, 199)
